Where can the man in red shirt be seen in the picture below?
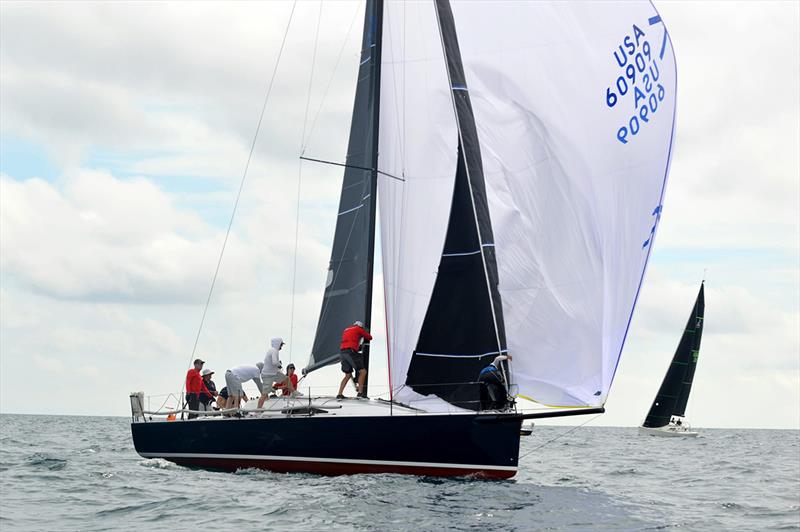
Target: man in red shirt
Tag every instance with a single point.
(352, 359)
(195, 386)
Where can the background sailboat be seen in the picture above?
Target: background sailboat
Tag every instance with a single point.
(667, 413)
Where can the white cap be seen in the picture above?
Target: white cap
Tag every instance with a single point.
(206, 372)
(358, 323)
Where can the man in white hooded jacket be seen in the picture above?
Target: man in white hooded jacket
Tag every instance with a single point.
(271, 372)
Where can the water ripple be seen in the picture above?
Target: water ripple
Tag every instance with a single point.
(122, 510)
(87, 477)
(39, 460)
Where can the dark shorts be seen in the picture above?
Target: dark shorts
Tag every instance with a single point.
(351, 361)
(193, 403)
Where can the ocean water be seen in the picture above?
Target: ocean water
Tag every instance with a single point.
(82, 473)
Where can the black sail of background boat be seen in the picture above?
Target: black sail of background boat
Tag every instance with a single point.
(667, 415)
(494, 219)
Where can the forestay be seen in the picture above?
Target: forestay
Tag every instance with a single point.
(574, 108)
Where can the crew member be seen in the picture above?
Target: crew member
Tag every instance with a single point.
(352, 359)
(234, 378)
(207, 396)
(272, 374)
(222, 398)
(494, 395)
(292, 378)
(194, 387)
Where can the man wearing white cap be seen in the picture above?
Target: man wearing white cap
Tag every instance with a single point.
(211, 388)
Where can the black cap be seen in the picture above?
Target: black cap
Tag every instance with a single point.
(198, 361)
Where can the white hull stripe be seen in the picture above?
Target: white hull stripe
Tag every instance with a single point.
(266, 457)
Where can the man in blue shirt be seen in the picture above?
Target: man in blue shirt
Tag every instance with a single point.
(494, 395)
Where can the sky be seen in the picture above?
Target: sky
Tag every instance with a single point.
(124, 132)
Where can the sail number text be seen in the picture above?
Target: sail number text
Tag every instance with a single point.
(637, 82)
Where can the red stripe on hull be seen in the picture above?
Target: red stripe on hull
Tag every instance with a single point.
(333, 468)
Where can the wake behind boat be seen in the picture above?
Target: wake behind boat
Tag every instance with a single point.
(671, 430)
(667, 413)
(518, 210)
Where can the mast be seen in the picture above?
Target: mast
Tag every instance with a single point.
(377, 47)
(673, 394)
(348, 291)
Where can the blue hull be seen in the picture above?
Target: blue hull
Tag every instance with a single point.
(438, 445)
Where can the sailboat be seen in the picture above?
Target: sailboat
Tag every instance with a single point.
(667, 413)
(520, 153)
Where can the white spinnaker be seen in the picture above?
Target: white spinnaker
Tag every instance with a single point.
(418, 143)
(573, 196)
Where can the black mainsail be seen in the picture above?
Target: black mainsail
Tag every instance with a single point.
(463, 328)
(348, 290)
(674, 392)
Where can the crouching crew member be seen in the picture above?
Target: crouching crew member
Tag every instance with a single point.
(235, 377)
(292, 378)
(494, 394)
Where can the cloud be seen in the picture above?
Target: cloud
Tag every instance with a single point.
(98, 237)
(48, 364)
(181, 88)
(93, 236)
(53, 365)
(733, 181)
